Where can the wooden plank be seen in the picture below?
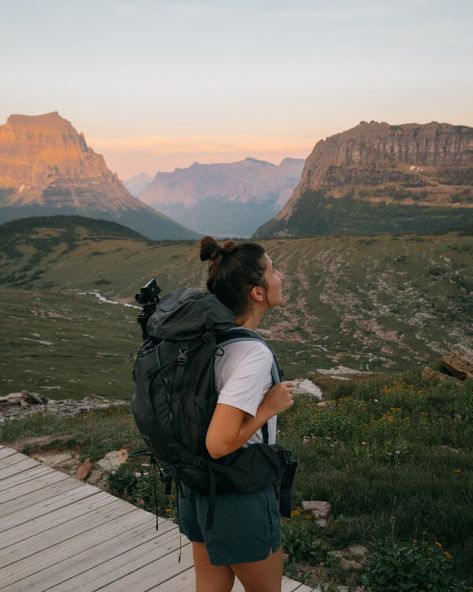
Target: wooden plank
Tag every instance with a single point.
(50, 560)
(22, 484)
(18, 468)
(47, 508)
(71, 544)
(59, 534)
(289, 585)
(57, 518)
(183, 582)
(25, 476)
(57, 564)
(114, 569)
(40, 480)
(12, 459)
(36, 497)
(5, 452)
(160, 569)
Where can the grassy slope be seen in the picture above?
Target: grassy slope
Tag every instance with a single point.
(388, 302)
(318, 214)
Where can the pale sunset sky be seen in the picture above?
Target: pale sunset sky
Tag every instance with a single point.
(159, 84)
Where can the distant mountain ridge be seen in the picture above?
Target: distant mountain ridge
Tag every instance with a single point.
(138, 183)
(225, 199)
(382, 177)
(47, 168)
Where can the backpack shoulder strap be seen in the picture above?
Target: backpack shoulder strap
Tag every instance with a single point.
(239, 334)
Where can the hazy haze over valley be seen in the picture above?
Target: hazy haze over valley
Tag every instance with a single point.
(224, 199)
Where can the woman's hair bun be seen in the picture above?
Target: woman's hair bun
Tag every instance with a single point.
(208, 248)
(228, 248)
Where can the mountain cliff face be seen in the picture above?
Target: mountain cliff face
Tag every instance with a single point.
(227, 199)
(381, 177)
(46, 168)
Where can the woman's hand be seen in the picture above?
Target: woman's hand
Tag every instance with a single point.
(230, 427)
(278, 398)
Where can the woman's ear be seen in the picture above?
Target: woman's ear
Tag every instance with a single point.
(257, 293)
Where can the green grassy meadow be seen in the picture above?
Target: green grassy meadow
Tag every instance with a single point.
(376, 303)
(392, 454)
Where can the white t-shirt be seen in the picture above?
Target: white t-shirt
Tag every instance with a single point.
(243, 377)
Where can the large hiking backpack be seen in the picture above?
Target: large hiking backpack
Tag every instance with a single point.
(175, 396)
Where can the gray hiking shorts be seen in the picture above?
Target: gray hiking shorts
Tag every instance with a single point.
(246, 526)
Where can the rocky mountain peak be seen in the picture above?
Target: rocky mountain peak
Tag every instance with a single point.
(378, 165)
(46, 167)
(393, 153)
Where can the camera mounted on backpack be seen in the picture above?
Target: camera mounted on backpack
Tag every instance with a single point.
(148, 298)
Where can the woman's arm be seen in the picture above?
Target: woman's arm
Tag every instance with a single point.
(231, 427)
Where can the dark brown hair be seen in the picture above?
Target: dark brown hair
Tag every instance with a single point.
(233, 270)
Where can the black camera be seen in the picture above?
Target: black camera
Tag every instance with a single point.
(148, 298)
(149, 294)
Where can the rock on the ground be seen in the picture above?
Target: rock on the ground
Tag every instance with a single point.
(25, 404)
(339, 371)
(350, 565)
(53, 458)
(84, 470)
(457, 366)
(358, 551)
(319, 509)
(464, 352)
(112, 460)
(96, 477)
(429, 374)
(304, 386)
(23, 398)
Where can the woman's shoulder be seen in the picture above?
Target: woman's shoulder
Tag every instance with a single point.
(244, 356)
(247, 348)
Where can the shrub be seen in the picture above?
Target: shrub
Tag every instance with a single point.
(416, 566)
(300, 540)
(131, 483)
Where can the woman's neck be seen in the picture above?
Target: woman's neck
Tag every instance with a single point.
(250, 320)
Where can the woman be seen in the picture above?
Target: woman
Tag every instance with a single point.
(245, 540)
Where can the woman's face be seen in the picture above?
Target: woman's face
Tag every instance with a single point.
(273, 281)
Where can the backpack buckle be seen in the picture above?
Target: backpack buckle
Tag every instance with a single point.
(207, 337)
(182, 356)
(286, 455)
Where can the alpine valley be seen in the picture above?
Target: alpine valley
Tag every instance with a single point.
(225, 199)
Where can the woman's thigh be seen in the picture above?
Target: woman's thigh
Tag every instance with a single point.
(261, 576)
(208, 577)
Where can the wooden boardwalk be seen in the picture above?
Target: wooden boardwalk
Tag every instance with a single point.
(57, 533)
